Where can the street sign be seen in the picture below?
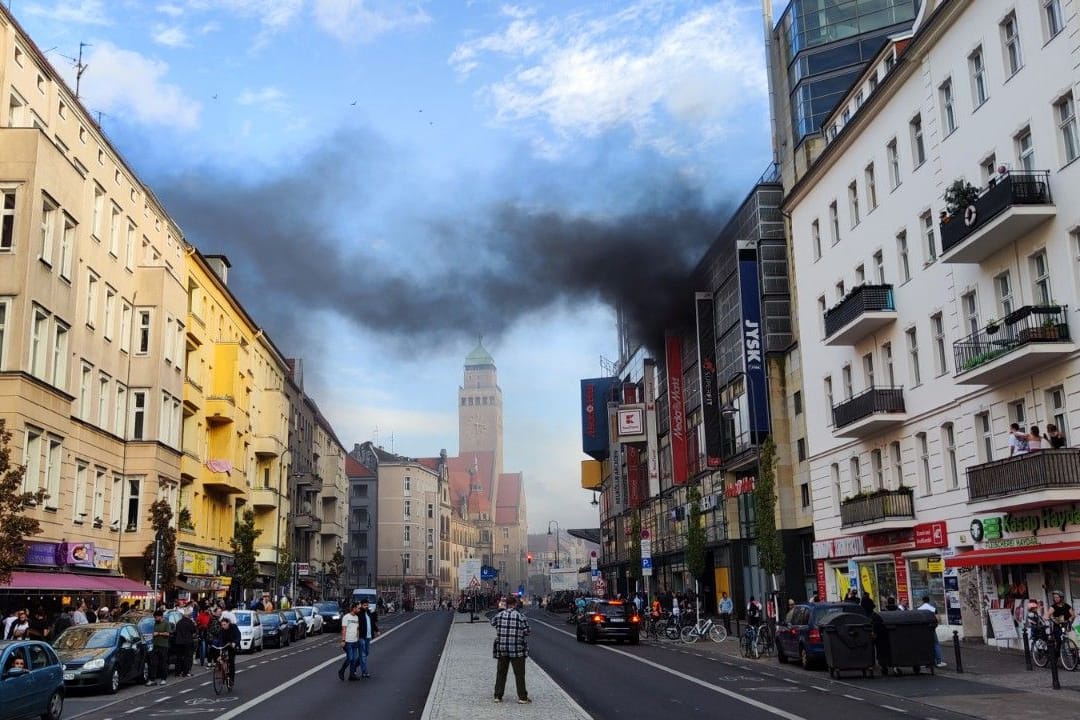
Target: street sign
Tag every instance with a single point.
(646, 548)
(646, 563)
(474, 583)
(467, 570)
(488, 572)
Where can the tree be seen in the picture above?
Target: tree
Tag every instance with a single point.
(245, 568)
(336, 568)
(284, 563)
(695, 537)
(161, 516)
(15, 524)
(770, 551)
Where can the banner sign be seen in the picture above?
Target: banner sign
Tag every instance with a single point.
(652, 459)
(753, 343)
(676, 412)
(41, 553)
(104, 559)
(194, 562)
(931, 535)
(564, 580)
(631, 421)
(619, 490)
(595, 395)
(78, 554)
(634, 477)
(710, 401)
(740, 486)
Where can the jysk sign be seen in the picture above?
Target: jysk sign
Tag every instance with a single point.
(710, 405)
(753, 341)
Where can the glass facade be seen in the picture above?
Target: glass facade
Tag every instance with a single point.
(825, 44)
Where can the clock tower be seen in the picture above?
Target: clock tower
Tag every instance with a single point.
(480, 407)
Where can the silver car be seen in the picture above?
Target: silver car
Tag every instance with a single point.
(313, 619)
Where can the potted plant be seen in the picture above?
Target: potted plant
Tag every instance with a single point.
(959, 196)
(992, 326)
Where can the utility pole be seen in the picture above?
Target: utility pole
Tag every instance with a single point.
(157, 568)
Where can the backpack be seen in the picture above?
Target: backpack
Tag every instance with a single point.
(753, 612)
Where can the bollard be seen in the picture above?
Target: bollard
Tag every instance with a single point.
(1054, 649)
(956, 651)
(1027, 649)
(738, 632)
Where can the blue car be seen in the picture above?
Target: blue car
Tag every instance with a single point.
(799, 636)
(31, 681)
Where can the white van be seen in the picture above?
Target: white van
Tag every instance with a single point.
(251, 635)
(369, 594)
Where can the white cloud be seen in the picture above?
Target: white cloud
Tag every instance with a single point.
(268, 97)
(675, 81)
(364, 20)
(170, 10)
(170, 36)
(273, 15)
(85, 12)
(125, 84)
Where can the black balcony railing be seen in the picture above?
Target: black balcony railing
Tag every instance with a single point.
(861, 299)
(869, 402)
(1029, 324)
(1032, 471)
(1016, 188)
(878, 506)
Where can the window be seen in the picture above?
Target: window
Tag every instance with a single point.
(53, 460)
(120, 410)
(902, 256)
(815, 235)
(129, 247)
(984, 446)
(929, 241)
(948, 444)
(853, 202)
(408, 509)
(1055, 403)
(860, 275)
(115, 499)
(796, 400)
(125, 326)
(1010, 38)
(937, 332)
(39, 330)
(969, 303)
(48, 228)
(1025, 150)
(800, 446)
(948, 112)
(1040, 279)
(110, 312)
(856, 475)
(845, 374)
(834, 223)
(431, 511)
(988, 167)
(59, 355)
(138, 415)
(840, 291)
(887, 362)
(913, 356)
(918, 149)
(407, 485)
(924, 461)
(804, 491)
(877, 471)
(979, 91)
(134, 490)
(114, 231)
(822, 307)
(85, 389)
(1052, 21)
(406, 563)
(7, 219)
(1016, 412)
(104, 396)
(97, 495)
(67, 247)
(1065, 111)
(431, 537)
(143, 343)
(879, 267)
(1003, 288)
(828, 401)
(406, 534)
(834, 473)
(170, 337)
(868, 369)
(897, 464)
(5, 310)
(894, 164)
(871, 187)
(79, 506)
(32, 452)
(91, 297)
(98, 212)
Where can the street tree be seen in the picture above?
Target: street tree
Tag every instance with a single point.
(770, 549)
(161, 516)
(245, 567)
(15, 524)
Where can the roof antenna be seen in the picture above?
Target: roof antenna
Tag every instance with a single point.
(80, 68)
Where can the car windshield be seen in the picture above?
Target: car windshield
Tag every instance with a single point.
(306, 612)
(331, 607)
(243, 619)
(82, 638)
(611, 610)
(290, 615)
(269, 619)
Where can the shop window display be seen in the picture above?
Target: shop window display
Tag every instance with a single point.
(925, 578)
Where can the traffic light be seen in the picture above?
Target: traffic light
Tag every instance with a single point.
(530, 558)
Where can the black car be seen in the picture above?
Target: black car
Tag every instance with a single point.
(275, 629)
(331, 614)
(609, 620)
(102, 655)
(799, 635)
(297, 625)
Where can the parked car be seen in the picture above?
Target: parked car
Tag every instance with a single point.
(275, 629)
(143, 620)
(102, 655)
(36, 691)
(313, 619)
(799, 635)
(251, 635)
(297, 626)
(331, 614)
(609, 620)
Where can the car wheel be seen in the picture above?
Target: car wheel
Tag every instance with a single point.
(113, 682)
(592, 638)
(55, 708)
(578, 635)
(635, 639)
(781, 655)
(804, 658)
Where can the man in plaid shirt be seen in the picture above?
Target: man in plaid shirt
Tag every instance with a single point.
(510, 648)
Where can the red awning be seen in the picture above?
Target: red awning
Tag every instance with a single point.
(1017, 556)
(74, 582)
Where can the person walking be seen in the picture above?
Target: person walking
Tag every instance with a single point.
(726, 608)
(350, 636)
(184, 640)
(368, 630)
(159, 653)
(927, 605)
(510, 649)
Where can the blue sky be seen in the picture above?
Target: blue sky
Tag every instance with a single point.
(392, 179)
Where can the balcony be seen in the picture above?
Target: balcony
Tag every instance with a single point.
(879, 507)
(220, 409)
(1005, 211)
(330, 527)
(866, 309)
(268, 446)
(190, 466)
(869, 412)
(309, 482)
(306, 522)
(1027, 339)
(223, 476)
(1043, 477)
(264, 498)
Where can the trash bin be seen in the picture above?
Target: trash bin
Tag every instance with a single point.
(849, 644)
(905, 639)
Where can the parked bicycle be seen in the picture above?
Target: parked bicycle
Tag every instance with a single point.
(1068, 651)
(756, 640)
(704, 627)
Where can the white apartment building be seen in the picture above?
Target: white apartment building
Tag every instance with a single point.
(923, 337)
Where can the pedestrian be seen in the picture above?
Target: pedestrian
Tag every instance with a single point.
(368, 630)
(19, 628)
(890, 603)
(510, 649)
(726, 608)
(159, 653)
(1018, 444)
(867, 604)
(753, 612)
(39, 625)
(184, 641)
(926, 605)
(350, 636)
(1034, 439)
(1054, 436)
(79, 616)
(103, 614)
(63, 622)
(676, 611)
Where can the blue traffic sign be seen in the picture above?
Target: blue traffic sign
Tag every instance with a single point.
(487, 572)
(646, 563)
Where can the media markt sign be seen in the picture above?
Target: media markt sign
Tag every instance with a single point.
(1023, 529)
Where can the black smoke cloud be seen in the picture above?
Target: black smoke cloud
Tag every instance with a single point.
(476, 269)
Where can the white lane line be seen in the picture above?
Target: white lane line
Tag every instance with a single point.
(255, 701)
(789, 680)
(852, 697)
(163, 699)
(206, 683)
(895, 709)
(818, 687)
(135, 710)
(181, 692)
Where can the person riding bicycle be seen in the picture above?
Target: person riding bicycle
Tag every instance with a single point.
(228, 642)
(1062, 614)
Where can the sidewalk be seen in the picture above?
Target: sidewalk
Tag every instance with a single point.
(464, 682)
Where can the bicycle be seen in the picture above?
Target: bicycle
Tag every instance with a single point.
(221, 670)
(766, 643)
(704, 627)
(655, 627)
(748, 644)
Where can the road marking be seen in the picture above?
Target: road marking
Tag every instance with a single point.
(896, 709)
(135, 710)
(206, 683)
(163, 699)
(789, 680)
(181, 692)
(852, 697)
(818, 687)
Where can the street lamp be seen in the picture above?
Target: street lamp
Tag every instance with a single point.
(556, 524)
(594, 502)
(404, 559)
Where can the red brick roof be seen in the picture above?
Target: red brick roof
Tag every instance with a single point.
(356, 469)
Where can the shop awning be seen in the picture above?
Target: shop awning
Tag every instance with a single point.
(74, 582)
(125, 587)
(1017, 556)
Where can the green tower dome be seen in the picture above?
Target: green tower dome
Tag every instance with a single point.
(479, 356)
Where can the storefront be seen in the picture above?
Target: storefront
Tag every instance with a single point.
(199, 574)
